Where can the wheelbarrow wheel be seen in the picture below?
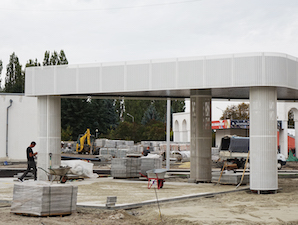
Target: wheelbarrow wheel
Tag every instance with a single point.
(63, 179)
(160, 183)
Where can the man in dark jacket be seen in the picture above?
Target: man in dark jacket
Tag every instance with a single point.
(146, 151)
(30, 162)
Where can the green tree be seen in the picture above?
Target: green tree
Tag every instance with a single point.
(54, 60)
(178, 106)
(15, 77)
(291, 122)
(126, 131)
(150, 114)
(161, 107)
(32, 62)
(154, 131)
(66, 134)
(46, 60)
(239, 112)
(81, 114)
(62, 58)
(136, 108)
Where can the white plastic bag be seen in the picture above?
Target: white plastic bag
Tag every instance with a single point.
(80, 167)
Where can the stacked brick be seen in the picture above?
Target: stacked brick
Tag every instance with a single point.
(150, 163)
(125, 167)
(44, 199)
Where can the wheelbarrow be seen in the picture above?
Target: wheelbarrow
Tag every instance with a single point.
(157, 175)
(57, 172)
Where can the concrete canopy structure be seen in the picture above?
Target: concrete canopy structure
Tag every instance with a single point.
(261, 77)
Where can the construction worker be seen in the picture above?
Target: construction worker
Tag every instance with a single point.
(146, 151)
(30, 162)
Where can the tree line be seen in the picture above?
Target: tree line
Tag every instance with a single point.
(110, 118)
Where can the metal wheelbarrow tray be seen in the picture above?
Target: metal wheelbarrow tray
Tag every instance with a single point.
(59, 172)
(157, 175)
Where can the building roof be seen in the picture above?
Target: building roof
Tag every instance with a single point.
(228, 76)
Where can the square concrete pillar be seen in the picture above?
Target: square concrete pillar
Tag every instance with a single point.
(49, 133)
(201, 136)
(283, 138)
(263, 139)
(296, 135)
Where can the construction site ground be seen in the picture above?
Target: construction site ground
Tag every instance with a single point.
(241, 207)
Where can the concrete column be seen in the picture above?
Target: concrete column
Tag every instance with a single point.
(296, 136)
(201, 136)
(283, 139)
(49, 133)
(263, 139)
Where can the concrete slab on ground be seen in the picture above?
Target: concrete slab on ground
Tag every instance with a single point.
(93, 192)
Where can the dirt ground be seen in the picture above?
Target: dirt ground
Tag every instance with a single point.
(242, 207)
(234, 208)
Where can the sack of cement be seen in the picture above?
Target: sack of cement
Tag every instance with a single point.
(80, 167)
(44, 199)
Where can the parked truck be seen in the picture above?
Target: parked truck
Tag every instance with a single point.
(234, 149)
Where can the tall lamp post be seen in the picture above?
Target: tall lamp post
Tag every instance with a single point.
(133, 119)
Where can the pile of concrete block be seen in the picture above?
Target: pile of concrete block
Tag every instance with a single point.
(121, 153)
(229, 177)
(116, 143)
(44, 199)
(150, 163)
(175, 146)
(115, 152)
(125, 167)
(100, 142)
(117, 148)
(108, 151)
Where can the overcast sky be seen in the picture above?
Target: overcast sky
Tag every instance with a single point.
(121, 30)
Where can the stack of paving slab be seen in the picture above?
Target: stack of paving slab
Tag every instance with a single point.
(44, 199)
(116, 148)
(229, 177)
(125, 167)
(109, 151)
(116, 152)
(175, 146)
(100, 142)
(150, 164)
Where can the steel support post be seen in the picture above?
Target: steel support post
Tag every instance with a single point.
(168, 133)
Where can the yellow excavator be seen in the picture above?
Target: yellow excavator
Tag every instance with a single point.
(85, 143)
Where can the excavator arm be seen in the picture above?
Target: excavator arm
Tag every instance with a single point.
(81, 141)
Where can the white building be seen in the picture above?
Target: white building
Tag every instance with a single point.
(18, 126)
